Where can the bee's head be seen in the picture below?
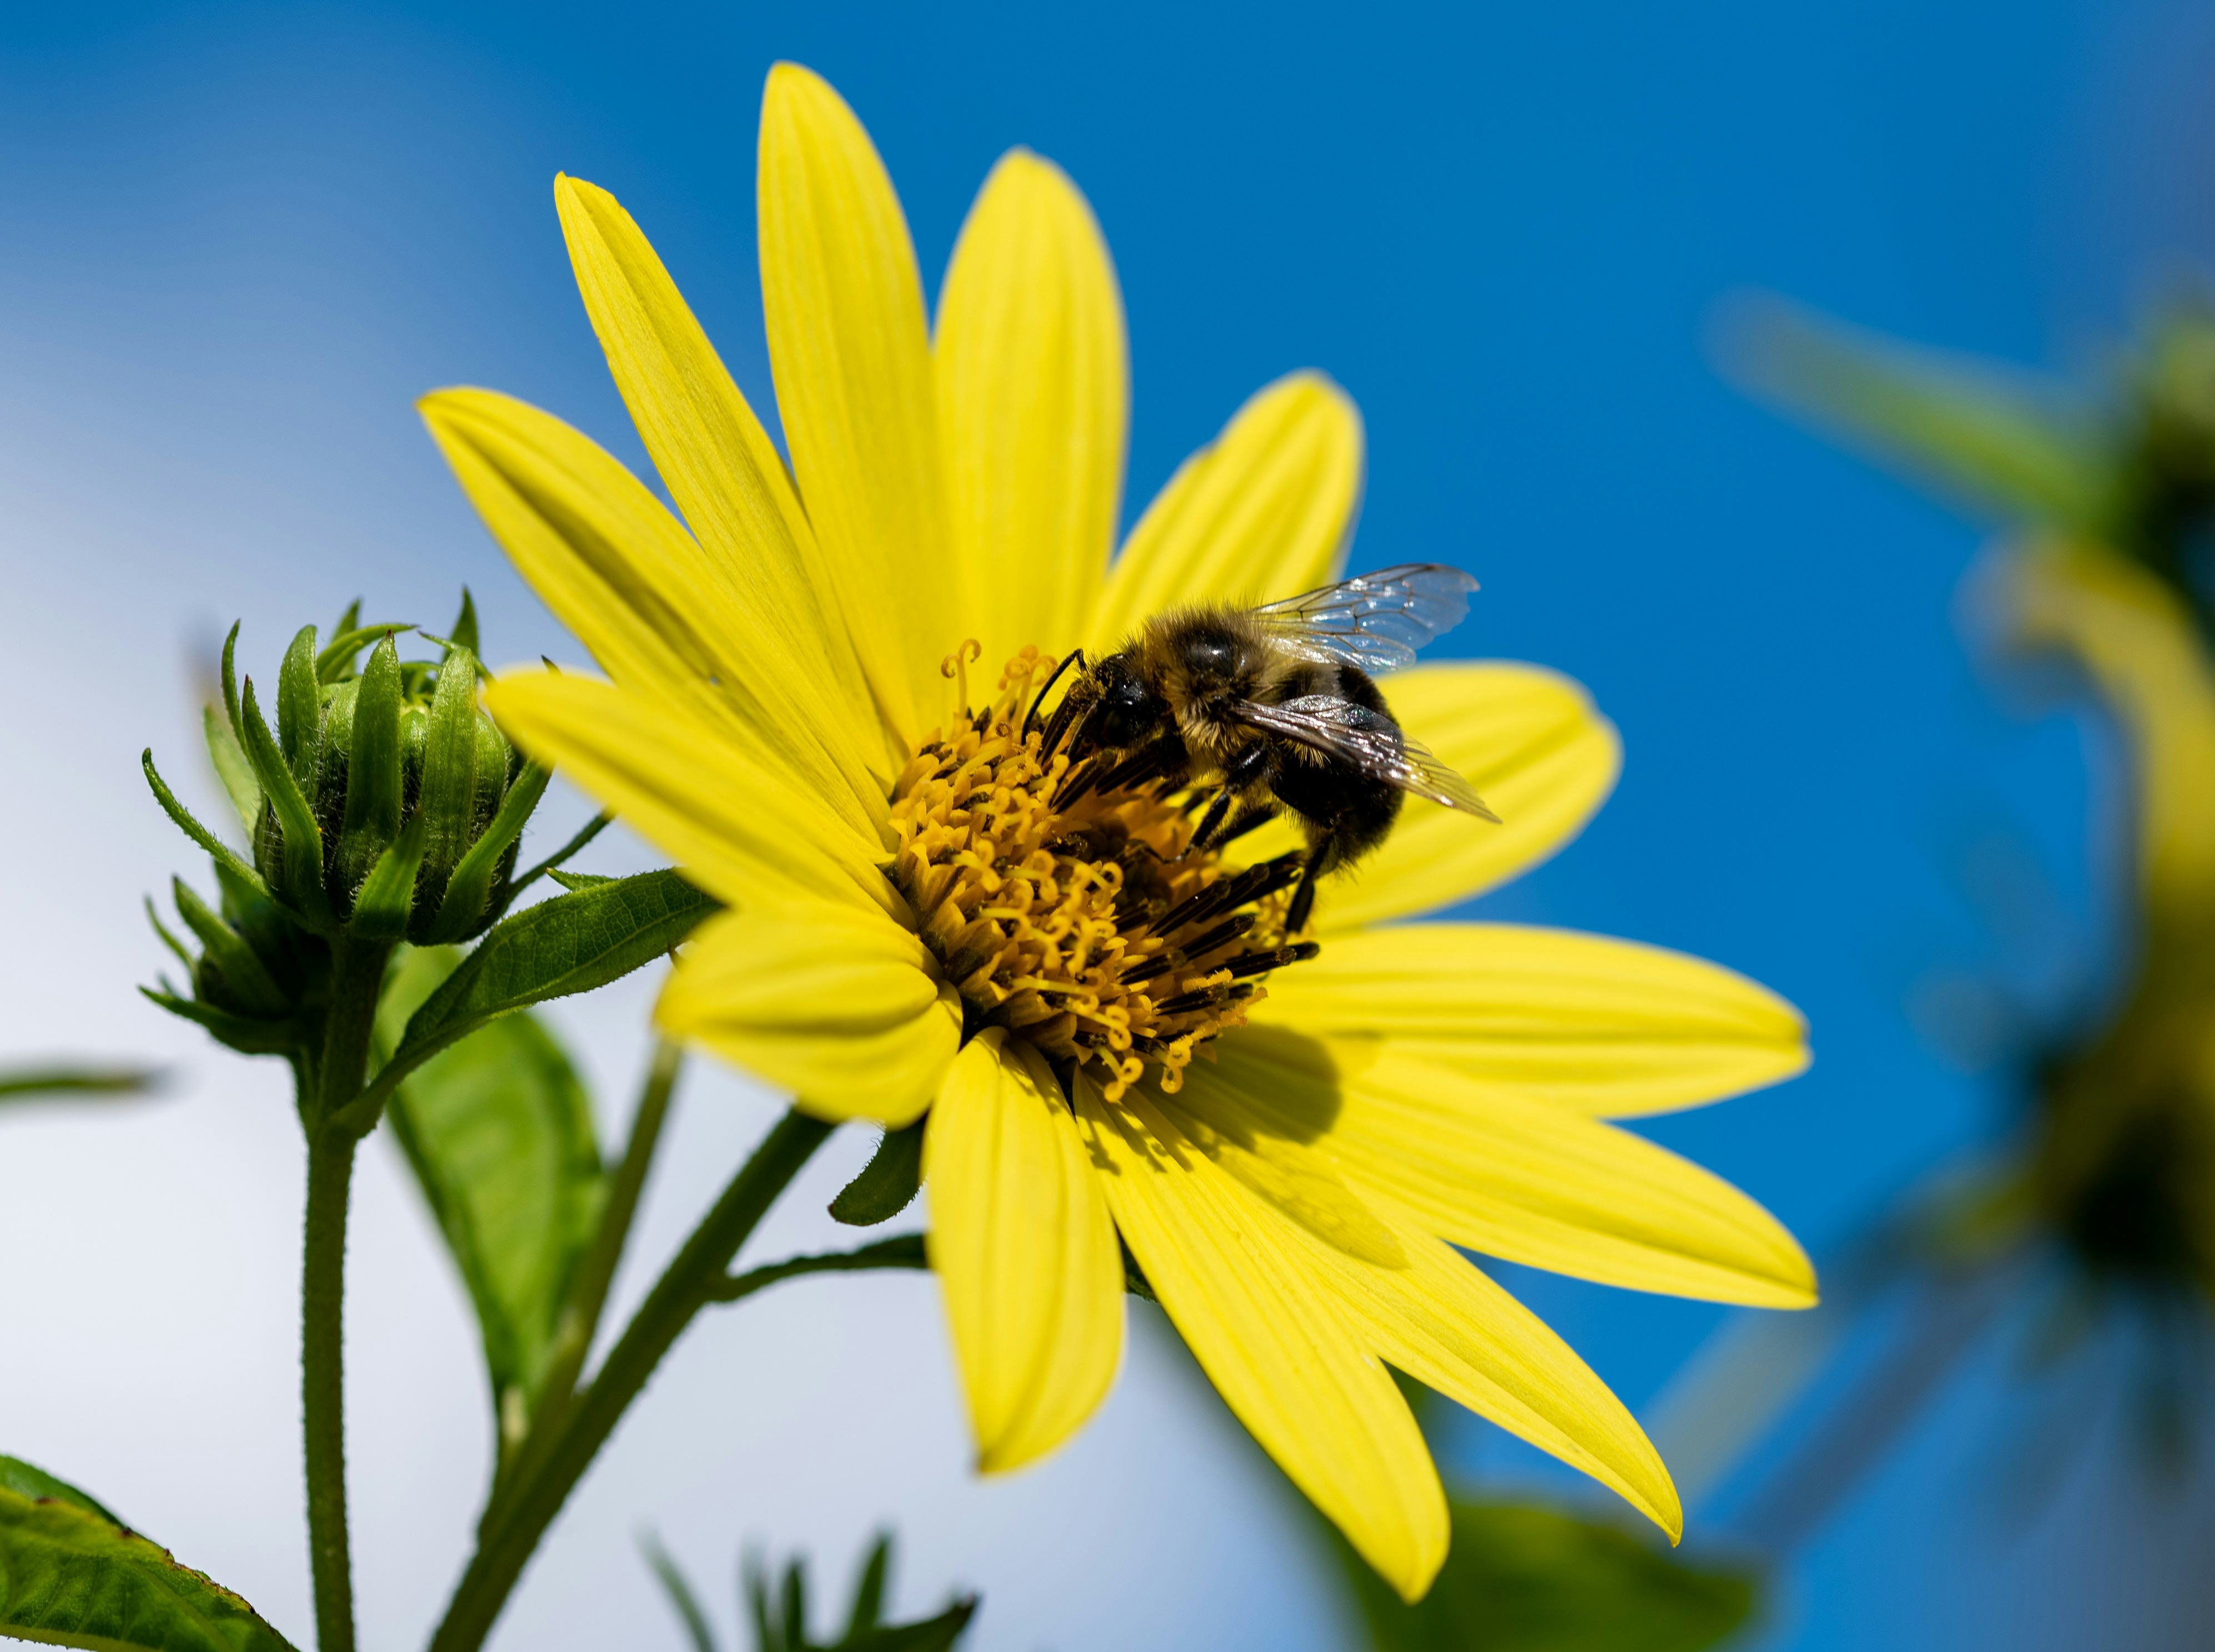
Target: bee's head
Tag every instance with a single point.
(1124, 709)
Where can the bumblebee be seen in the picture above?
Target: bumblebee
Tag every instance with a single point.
(1270, 709)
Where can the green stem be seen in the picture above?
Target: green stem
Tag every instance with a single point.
(901, 1251)
(358, 974)
(513, 1527)
(596, 1272)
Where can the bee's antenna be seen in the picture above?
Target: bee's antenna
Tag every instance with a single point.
(1031, 718)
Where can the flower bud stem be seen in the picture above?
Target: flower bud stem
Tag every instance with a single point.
(357, 975)
(514, 1524)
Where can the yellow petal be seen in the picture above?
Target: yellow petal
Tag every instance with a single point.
(656, 612)
(778, 605)
(1445, 1324)
(1263, 512)
(1239, 1281)
(851, 358)
(833, 1003)
(738, 829)
(1603, 1026)
(1524, 1180)
(1033, 402)
(1024, 1249)
(1537, 751)
(2139, 645)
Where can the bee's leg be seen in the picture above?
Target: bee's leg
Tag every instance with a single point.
(1326, 854)
(1031, 717)
(1253, 815)
(1243, 772)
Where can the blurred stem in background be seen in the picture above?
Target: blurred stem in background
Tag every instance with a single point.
(2098, 1201)
(780, 1618)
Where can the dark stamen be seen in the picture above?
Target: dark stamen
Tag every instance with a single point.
(1185, 1003)
(1222, 935)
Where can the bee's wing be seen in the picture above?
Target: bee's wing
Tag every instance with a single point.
(1375, 622)
(1373, 744)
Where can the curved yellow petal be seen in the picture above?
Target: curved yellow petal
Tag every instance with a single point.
(2138, 645)
(1240, 1284)
(1442, 1322)
(776, 600)
(1033, 405)
(1602, 1026)
(851, 358)
(1538, 753)
(1263, 512)
(1024, 1249)
(837, 1005)
(738, 829)
(656, 612)
(1524, 1180)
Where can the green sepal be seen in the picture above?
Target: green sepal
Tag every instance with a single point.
(887, 1184)
(168, 938)
(388, 894)
(247, 976)
(72, 1575)
(471, 884)
(570, 944)
(303, 839)
(448, 794)
(243, 1033)
(335, 661)
(463, 631)
(300, 707)
(217, 850)
(349, 621)
(373, 780)
(230, 680)
(228, 758)
(577, 880)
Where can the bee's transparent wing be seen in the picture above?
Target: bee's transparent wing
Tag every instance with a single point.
(1375, 622)
(1372, 742)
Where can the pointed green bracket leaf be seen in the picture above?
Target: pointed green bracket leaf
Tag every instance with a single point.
(300, 707)
(499, 1131)
(388, 894)
(373, 780)
(70, 1575)
(887, 1184)
(303, 839)
(228, 758)
(242, 970)
(570, 944)
(217, 850)
(463, 631)
(335, 661)
(467, 890)
(246, 1034)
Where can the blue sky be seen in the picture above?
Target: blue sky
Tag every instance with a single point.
(238, 240)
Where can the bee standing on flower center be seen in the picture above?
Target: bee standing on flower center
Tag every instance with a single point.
(1274, 709)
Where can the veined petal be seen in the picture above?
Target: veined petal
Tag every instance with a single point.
(1442, 1322)
(773, 595)
(1524, 1180)
(1602, 1026)
(738, 829)
(657, 612)
(1537, 751)
(1024, 1249)
(836, 1003)
(851, 358)
(1264, 511)
(1271, 1334)
(1033, 405)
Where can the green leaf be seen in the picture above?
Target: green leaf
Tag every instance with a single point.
(1971, 429)
(71, 1575)
(228, 758)
(887, 1184)
(678, 1588)
(37, 1083)
(570, 944)
(1525, 1578)
(248, 1035)
(499, 1132)
(577, 880)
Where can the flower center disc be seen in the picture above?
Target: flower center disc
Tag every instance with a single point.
(1062, 906)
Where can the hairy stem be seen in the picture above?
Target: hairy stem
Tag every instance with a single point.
(513, 1527)
(358, 974)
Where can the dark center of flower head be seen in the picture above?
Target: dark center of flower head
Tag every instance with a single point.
(1061, 901)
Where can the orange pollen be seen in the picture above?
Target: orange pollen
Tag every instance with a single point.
(1067, 912)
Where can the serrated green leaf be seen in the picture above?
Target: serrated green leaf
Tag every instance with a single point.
(70, 1576)
(2004, 444)
(500, 1134)
(570, 944)
(887, 1184)
(228, 758)
(1521, 1577)
(29, 1480)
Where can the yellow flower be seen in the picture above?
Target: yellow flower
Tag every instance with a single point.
(914, 925)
